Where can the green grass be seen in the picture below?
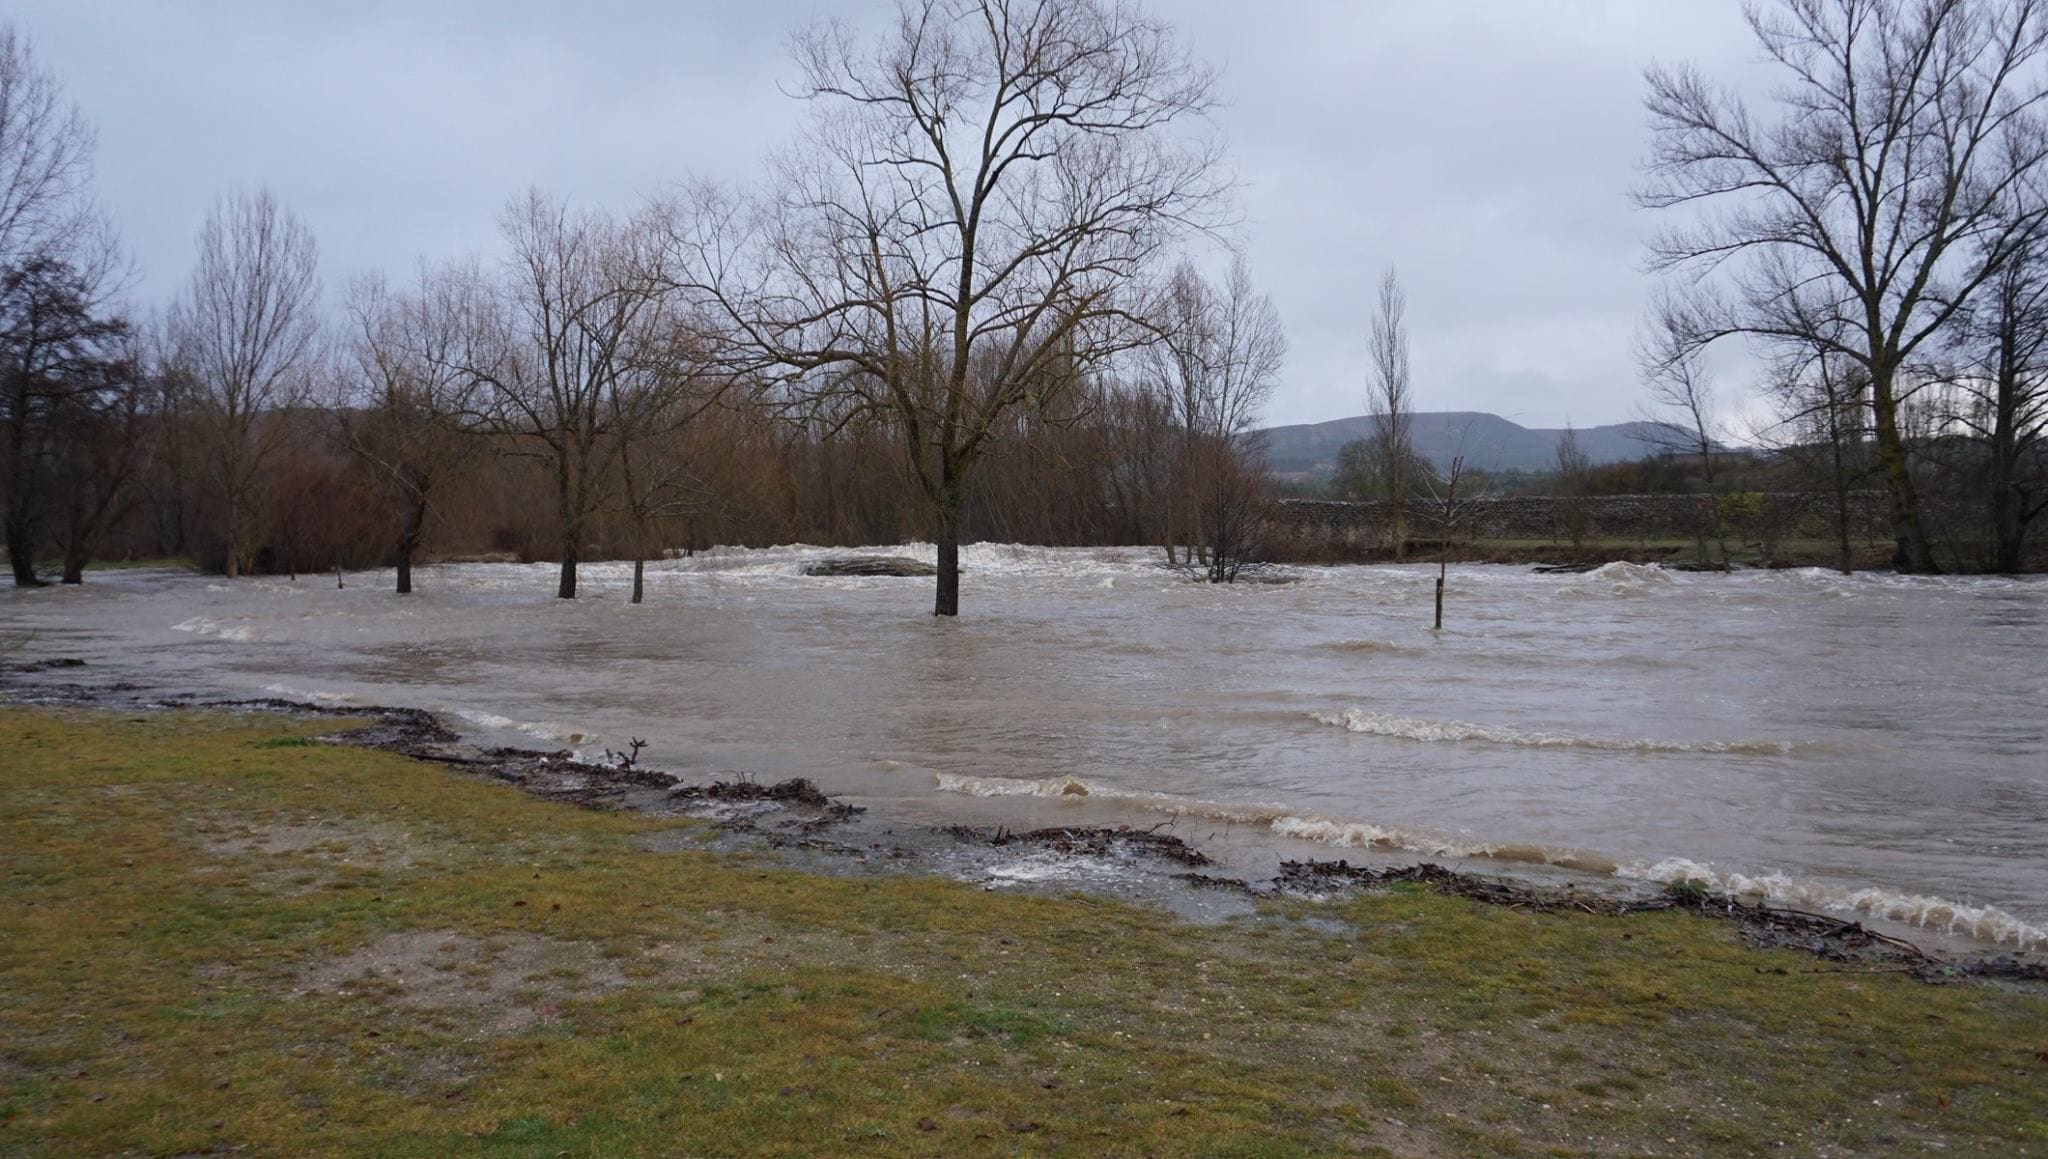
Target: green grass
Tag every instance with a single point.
(214, 936)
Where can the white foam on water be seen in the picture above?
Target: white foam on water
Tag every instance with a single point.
(1043, 867)
(1419, 729)
(1981, 923)
(1984, 923)
(1366, 646)
(486, 719)
(1281, 821)
(202, 626)
(980, 560)
(544, 730)
(1620, 578)
(974, 786)
(1361, 835)
(314, 696)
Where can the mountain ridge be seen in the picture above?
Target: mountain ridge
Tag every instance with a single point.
(1487, 441)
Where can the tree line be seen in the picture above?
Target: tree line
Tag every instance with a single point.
(980, 296)
(970, 300)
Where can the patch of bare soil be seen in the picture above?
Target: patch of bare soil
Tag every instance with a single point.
(293, 857)
(472, 987)
(374, 846)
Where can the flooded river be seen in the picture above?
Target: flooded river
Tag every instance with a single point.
(1873, 745)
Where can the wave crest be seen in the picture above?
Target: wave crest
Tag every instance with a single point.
(545, 730)
(1620, 578)
(1984, 923)
(1419, 729)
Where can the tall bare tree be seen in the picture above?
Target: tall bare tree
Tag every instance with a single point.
(663, 387)
(1391, 443)
(245, 334)
(1825, 427)
(1684, 418)
(980, 191)
(60, 358)
(579, 297)
(405, 406)
(1898, 173)
(58, 269)
(46, 150)
(1215, 364)
(102, 449)
(1998, 401)
(1572, 466)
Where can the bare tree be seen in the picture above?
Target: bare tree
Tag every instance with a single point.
(1900, 176)
(1448, 510)
(1572, 467)
(1216, 362)
(245, 333)
(981, 190)
(1825, 427)
(61, 354)
(46, 149)
(1682, 414)
(58, 269)
(405, 407)
(662, 389)
(1999, 400)
(1393, 407)
(551, 343)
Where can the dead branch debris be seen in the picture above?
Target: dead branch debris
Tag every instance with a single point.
(627, 760)
(1104, 842)
(794, 791)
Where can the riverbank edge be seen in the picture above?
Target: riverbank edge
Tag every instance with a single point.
(796, 815)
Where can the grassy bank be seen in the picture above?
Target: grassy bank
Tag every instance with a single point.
(214, 934)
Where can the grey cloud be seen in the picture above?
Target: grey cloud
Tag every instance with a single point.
(1485, 147)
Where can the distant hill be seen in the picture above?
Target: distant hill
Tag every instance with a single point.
(1488, 442)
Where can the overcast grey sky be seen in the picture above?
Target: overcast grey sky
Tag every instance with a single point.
(1485, 147)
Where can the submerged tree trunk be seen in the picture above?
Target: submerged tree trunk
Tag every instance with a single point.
(639, 559)
(1840, 479)
(234, 530)
(1911, 552)
(2008, 495)
(566, 589)
(1842, 531)
(572, 552)
(82, 538)
(21, 548)
(947, 602)
(2008, 528)
(409, 534)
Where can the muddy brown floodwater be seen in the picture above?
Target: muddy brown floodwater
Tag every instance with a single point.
(1875, 746)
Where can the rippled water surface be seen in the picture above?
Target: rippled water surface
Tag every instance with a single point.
(1872, 744)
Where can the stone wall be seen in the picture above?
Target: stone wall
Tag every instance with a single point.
(1751, 517)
